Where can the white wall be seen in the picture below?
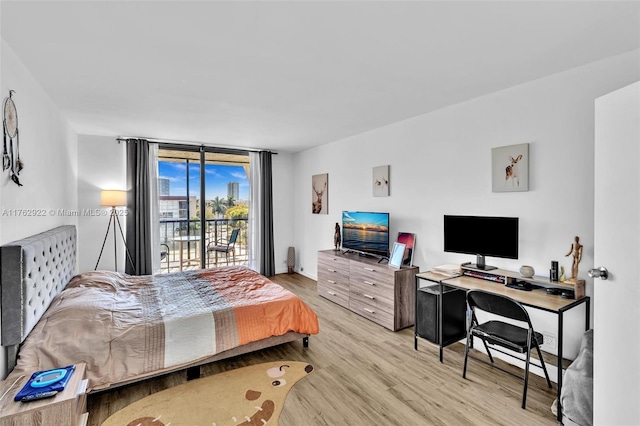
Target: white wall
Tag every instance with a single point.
(282, 182)
(101, 165)
(49, 152)
(440, 164)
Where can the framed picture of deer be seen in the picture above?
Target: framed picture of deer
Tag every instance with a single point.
(320, 194)
(510, 168)
(381, 181)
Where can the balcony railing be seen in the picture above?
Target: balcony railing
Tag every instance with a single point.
(184, 253)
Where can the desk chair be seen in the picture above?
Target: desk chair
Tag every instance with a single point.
(498, 333)
(223, 246)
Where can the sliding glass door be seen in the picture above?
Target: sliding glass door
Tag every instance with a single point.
(203, 198)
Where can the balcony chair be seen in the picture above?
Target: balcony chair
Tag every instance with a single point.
(498, 333)
(223, 246)
(164, 254)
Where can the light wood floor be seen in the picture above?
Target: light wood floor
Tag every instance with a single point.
(367, 375)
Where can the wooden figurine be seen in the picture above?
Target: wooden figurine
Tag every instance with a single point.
(576, 250)
(337, 237)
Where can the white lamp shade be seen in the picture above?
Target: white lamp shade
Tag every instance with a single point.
(113, 198)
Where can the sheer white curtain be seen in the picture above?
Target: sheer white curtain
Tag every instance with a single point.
(255, 206)
(154, 210)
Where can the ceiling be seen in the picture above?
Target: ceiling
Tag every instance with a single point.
(287, 76)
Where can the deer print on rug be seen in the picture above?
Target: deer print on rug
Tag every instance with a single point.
(248, 396)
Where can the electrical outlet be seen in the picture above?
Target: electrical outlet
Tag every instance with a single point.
(550, 340)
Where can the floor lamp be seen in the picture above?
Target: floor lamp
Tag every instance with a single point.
(113, 199)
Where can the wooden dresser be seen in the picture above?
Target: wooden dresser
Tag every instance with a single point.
(374, 290)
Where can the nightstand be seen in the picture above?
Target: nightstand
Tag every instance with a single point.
(68, 407)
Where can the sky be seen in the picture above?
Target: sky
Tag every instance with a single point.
(216, 179)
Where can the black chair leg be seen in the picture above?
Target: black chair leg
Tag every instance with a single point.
(526, 378)
(466, 355)
(486, 347)
(544, 367)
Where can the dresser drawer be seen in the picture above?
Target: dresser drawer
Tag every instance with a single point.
(376, 315)
(381, 291)
(336, 270)
(333, 277)
(332, 261)
(381, 276)
(336, 294)
(372, 299)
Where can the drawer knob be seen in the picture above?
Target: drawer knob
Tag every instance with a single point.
(368, 282)
(331, 282)
(331, 293)
(369, 297)
(370, 269)
(370, 311)
(331, 270)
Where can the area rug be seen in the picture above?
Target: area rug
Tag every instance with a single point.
(246, 396)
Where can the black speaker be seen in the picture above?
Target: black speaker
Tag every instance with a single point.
(553, 272)
(454, 308)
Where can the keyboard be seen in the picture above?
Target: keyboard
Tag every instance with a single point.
(524, 286)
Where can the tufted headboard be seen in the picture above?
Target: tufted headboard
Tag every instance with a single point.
(32, 272)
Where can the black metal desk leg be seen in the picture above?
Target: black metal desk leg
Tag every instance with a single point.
(559, 364)
(415, 316)
(440, 321)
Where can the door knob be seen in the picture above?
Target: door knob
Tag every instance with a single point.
(600, 272)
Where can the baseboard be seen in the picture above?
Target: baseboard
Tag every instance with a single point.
(311, 277)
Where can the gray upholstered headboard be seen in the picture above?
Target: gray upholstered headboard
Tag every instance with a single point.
(32, 272)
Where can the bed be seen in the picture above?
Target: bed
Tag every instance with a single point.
(128, 328)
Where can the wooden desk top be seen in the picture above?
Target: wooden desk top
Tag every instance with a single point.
(538, 298)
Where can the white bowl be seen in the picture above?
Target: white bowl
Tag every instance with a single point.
(527, 271)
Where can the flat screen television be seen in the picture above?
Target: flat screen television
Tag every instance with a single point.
(366, 233)
(482, 236)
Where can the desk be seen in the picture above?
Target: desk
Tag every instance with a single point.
(181, 240)
(538, 299)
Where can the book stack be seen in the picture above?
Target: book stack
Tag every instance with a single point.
(448, 270)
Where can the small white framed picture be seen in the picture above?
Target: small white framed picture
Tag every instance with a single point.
(510, 168)
(381, 181)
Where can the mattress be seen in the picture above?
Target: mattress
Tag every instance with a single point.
(126, 326)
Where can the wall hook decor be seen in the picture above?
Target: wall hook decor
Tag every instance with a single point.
(11, 154)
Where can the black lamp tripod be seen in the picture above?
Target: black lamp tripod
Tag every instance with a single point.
(114, 218)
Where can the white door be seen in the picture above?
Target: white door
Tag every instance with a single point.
(616, 301)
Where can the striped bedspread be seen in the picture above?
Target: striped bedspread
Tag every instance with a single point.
(125, 326)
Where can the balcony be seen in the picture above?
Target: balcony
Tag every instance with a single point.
(182, 237)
